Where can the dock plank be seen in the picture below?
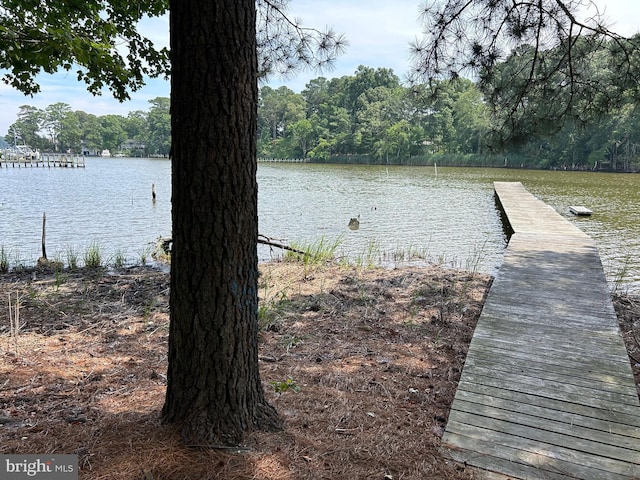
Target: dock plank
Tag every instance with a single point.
(547, 389)
(561, 445)
(628, 423)
(549, 411)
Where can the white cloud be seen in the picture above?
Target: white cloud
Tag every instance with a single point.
(378, 31)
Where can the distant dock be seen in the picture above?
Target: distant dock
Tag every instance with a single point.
(46, 160)
(282, 160)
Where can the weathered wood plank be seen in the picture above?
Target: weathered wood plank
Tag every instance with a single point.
(526, 459)
(572, 361)
(554, 343)
(631, 421)
(624, 445)
(541, 445)
(494, 458)
(540, 337)
(620, 383)
(547, 377)
(555, 412)
(547, 389)
(578, 361)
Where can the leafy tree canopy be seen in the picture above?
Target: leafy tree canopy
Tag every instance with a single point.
(98, 39)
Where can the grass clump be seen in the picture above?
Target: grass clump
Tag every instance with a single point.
(119, 259)
(272, 305)
(72, 257)
(318, 253)
(370, 256)
(93, 256)
(4, 260)
(620, 277)
(19, 264)
(271, 310)
(477, 256)
(145, 253)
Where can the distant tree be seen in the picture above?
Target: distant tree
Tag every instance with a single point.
(623, 142)
(366, 79)
(336, 130)
(316, 94)
(434, 105)
(70, 135)
(395, 141)
(278, 109)
(90, 132)
(303, 134)
(549, 52)
(159, 126)
(378, 109)
(113, 133)
(27, 127)
(470, 118)
(135, 125)
(53, 123)
(136, 128)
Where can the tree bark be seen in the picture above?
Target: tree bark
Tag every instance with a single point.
(214, 392)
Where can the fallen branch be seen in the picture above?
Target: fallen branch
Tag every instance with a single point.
(164, 244)
(263, 239)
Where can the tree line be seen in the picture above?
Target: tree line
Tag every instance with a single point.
(368, 117)
(58, 128)
(371, 117)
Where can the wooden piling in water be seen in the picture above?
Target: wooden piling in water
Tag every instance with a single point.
(44, 234)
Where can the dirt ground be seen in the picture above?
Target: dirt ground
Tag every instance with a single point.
(361, 364)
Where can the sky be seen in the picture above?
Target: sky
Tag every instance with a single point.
(378, 32)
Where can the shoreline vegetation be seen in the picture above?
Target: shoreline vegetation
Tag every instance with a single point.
(361, 362)
(159, 252)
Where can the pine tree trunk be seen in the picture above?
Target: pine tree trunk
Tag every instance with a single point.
(214, 392)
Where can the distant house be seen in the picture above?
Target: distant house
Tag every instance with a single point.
(134, 147)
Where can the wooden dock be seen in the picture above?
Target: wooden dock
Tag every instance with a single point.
(46, 160)
(547, 390)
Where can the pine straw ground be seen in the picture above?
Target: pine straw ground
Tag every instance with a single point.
(362, 365)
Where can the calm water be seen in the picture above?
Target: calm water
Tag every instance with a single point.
(404, 212)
